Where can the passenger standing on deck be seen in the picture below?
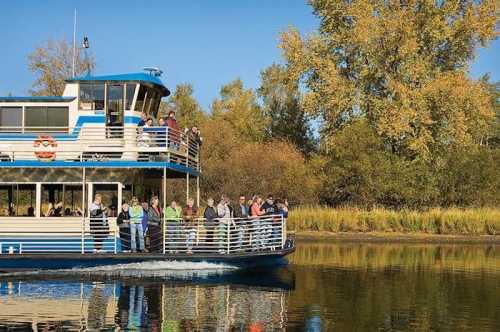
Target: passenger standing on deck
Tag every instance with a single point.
(173, 217)
(173, 131)
(224, 213)
(240, 213)
(255, 213)
(189, 214)
(98, 222)
(210, 216)
(195, 141)
(123, 222)
(136, 231)
(154, 226)
(270, 231)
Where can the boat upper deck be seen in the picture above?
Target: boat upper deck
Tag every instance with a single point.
(97, 122)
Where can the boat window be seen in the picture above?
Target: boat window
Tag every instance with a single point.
(129, 95)
(153, 100)
(61, 200)
(127, 193)
(139, 103)
(43, 118)
(18, 200)
(91, 96)
(115, 104)
(11, 119)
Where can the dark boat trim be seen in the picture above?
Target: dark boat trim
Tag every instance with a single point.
(16, 262)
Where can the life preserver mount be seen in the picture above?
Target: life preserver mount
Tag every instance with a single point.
(45, 146)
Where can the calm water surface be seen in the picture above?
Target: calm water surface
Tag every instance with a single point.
(326, 287)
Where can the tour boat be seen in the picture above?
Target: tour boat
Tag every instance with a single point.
(63, 150)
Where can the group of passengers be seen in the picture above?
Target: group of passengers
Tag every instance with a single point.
(57, 210)
(165, 132)
(248, 224)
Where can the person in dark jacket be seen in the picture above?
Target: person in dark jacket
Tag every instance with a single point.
(210, 216)
(241, 209)
(154, 226)
(98, 222)
(240, 213)
(123, 222)
(174, 135)
(269, 206)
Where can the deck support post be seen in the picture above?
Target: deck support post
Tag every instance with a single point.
(164, 198)
(198, 192)
(187, 187)
(83, 210)
(38, 199)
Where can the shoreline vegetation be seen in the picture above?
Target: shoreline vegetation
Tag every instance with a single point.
(436, 225)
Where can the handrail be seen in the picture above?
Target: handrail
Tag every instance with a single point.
(101, 143)
(176, 235)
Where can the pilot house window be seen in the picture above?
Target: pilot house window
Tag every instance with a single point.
(91, 96)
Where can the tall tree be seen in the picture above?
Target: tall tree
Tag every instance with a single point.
(281, 99)
(238, 106)
(52, 63)
(400, 64)
(186, 107)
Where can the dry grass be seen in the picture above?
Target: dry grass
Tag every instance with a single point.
(473, 221)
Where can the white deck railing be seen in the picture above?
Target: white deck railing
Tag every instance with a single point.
(177, 236)
(99, 144)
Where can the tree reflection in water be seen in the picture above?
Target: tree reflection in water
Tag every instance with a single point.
(328, 286)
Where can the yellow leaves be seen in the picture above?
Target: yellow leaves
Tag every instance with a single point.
(396, 63)
(239, 108)
(52, 63)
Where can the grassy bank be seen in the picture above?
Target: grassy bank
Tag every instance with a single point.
(453, 221)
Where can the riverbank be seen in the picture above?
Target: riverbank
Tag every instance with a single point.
(382, 237)
(433, 225)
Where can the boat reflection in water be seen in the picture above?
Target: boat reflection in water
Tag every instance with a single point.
(234, 300)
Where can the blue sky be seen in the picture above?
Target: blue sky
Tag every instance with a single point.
(205, 43)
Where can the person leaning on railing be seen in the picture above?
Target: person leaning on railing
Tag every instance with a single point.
(270, 233)
(154, 225)
(189, 214)
(240, 212)
(224, 213)
(172, 216)
(174, 137)
(257, 230)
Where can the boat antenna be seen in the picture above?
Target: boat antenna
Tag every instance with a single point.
(74, 44)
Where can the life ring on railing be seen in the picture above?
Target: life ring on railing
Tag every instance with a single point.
(45, 145)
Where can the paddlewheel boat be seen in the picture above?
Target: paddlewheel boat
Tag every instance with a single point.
(64, 150)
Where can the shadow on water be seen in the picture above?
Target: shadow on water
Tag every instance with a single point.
(326, 287)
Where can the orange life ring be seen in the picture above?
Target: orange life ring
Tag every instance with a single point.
(45, 144)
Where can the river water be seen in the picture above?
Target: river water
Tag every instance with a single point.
(325, 287)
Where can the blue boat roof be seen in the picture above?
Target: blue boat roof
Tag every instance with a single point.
(57, 99)
(135, 77)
